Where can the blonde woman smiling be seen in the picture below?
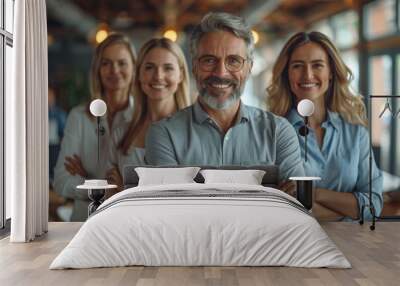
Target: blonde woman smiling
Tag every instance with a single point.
(111, 79)
(310, 67)
(161, 88)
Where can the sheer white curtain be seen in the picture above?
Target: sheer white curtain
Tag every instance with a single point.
(26, 124)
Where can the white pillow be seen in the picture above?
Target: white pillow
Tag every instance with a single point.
(249, 177)
(163, 176)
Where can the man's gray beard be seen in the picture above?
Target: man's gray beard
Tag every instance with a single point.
(212, 101)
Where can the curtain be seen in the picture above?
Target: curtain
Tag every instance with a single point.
(27, 124)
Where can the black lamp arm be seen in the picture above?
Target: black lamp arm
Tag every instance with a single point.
(303, 131)
(98, 139)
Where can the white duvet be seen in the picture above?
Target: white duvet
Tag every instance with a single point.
(185, 230)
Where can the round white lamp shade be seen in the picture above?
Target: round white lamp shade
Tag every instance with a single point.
(98, 107)
(305, 107)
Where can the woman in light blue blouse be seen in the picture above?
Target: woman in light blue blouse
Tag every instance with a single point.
(310, 67)
(161, 88)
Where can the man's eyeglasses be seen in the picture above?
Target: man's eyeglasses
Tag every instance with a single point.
(233, 63)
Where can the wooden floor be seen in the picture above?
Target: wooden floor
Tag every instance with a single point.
(374, 255)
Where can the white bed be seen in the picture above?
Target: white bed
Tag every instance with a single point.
(201, 224)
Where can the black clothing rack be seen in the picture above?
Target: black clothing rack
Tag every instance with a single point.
(370, 205)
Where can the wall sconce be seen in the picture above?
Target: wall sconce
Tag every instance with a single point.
(305, 108)
(98, 108)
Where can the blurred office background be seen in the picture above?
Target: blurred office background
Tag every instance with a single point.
(366, 32)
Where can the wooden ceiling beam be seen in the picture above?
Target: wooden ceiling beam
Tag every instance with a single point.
(71, 15)
(288, 19)
(258, 10)
(324, 11)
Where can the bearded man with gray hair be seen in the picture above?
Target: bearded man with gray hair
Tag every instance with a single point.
(219, 129)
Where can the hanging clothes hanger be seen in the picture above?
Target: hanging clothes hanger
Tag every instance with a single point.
(397, 113)
(387, 107)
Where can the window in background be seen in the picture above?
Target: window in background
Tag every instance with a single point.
(248, 93)
(269, 53)
(254, 94)
(398, 117)
(324, 27)
(8, 69)
(2, 189)
(351, 60)
(345, 29)
(380, 18)
(380, 83)
(9, 13)
(6, 65)
(342, 30)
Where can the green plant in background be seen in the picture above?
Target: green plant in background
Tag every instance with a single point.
(75, 88)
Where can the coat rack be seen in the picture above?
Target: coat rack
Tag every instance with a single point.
(394, 114)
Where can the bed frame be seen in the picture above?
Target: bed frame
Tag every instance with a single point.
(270, 179)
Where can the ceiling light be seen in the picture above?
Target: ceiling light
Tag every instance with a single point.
(256, 36)
(101, 35)
(171, 34)
(50, 40)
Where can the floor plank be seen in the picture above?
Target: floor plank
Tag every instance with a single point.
(374, 255)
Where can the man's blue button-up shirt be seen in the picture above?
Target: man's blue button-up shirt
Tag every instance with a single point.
(191, 137)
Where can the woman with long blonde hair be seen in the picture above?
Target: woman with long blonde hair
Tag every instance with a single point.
(111, 79)
(161, 88)
(310, 67)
